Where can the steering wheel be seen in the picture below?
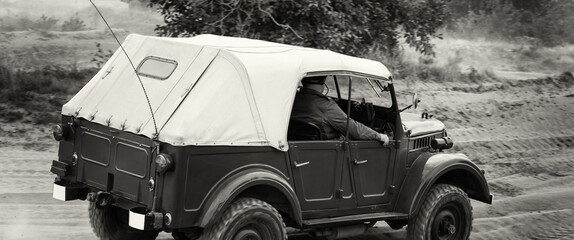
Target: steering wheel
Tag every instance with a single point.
(365, 112)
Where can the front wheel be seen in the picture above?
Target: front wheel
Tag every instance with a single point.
(111, 223)
(446, 214)
(247, 219)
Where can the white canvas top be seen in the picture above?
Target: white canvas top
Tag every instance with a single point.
(223, 91)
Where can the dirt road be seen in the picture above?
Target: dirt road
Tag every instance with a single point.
(520, 132)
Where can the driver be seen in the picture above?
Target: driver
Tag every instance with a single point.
(312, 106)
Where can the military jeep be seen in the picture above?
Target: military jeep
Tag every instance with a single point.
(193, 136)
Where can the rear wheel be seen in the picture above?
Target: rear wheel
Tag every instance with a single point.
(247, 219)
(111, 223)
(446, 214)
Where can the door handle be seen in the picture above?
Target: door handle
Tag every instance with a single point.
(301, 164)
(357, 162)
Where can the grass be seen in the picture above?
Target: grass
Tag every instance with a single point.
(38, 74)
(37, 95)
(481, 59)
(431, 69)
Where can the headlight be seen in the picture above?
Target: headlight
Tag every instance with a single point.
(441, 143)
(163, 162)
(62, 132)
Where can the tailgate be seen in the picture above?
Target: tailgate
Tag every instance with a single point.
(114, 161)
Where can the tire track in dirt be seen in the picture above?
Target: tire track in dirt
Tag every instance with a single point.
(526, 156)
(527, 226)
(38, 216)
(522, 134)
(28, 210)
(25, 171)
(509, 162)
(562, 229)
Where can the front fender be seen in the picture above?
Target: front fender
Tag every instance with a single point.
(429, 169)
(226, 192)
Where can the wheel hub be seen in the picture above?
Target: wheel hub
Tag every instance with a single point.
(247, 234)
(451, 229)
(444, 226)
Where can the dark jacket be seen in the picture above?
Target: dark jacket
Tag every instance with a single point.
(314, 107)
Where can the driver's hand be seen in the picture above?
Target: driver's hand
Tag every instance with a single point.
(383, 138)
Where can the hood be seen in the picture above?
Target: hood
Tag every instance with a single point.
(419, 126)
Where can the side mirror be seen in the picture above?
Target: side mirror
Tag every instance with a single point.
(416, 101)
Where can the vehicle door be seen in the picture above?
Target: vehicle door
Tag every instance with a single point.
(321, 178)
(321, 173)
(372, 171)
(372, 163)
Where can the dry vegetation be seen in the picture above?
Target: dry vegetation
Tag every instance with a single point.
(47, 58)
(507, 103)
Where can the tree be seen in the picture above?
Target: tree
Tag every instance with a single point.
(347, 26)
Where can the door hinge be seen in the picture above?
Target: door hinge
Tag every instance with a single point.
(339, 193)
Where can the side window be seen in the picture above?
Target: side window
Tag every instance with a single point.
(156, 67)
(342, 82)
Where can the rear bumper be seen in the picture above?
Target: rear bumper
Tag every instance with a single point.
(140, 218)
(67, 193)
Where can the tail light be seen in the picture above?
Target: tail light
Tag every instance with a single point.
(62, 132)
(163, 162)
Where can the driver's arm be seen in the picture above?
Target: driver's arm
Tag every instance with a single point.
(338, 120)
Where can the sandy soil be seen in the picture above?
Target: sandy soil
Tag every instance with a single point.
(520, 131)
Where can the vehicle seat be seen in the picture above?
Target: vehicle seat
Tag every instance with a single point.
(303, 130)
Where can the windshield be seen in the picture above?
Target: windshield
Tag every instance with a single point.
(363, 89)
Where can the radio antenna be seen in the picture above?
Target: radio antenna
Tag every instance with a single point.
(155, 137)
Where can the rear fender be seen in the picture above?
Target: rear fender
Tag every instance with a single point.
(429, 169)
(228, 190)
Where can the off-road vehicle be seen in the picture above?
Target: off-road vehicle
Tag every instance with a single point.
(193, 136)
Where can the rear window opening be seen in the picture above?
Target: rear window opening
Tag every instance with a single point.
(156, 67)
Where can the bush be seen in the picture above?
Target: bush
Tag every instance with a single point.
(37, 95)
(45, 118)
(45, 23)
(12, 115)
(101, 57)
(24, 23)
(51, 79)
(42, 24)
(428, 70)
(5, 77)
(73, 24)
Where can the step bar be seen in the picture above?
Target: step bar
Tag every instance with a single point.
(355, 218)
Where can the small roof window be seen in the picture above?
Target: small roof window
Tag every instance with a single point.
(156, 67)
